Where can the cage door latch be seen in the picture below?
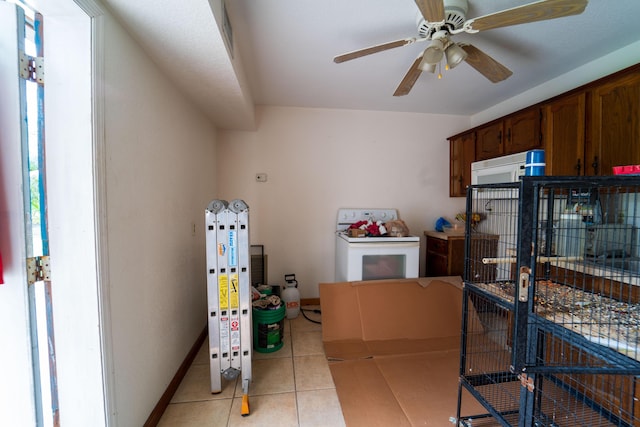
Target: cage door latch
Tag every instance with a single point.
(526, 381)
(523, 284)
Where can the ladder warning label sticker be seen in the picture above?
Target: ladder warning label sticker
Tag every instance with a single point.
(235, 325)
(233, 249)
(235, 340)
(222, 249)
(233, 291)
(223, 287)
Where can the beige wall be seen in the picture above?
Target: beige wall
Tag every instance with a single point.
(160, 175)
(319, 160)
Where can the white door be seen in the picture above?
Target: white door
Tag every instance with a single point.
(77, 298)
(43, 341)
(17, 402)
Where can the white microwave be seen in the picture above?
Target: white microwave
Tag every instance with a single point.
(498, 170)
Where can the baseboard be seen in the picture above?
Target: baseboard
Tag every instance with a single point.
(309, 301)
(165, 399)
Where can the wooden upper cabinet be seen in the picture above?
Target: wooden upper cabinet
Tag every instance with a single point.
(614, 125)
(514, 134)
(564, 135)
(585, 132)
(489, 141)
(462, 152)
(522, 131)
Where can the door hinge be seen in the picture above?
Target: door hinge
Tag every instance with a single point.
(32, 68)
(38, 268)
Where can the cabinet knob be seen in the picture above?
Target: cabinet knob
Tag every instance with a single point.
(578, 167)
(594, 165)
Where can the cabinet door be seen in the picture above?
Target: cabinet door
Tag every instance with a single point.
(563, 135)
(462, 152)
(437, 265)
(437, 257)
(615, 125)
(522, 131)
(489, 141)
(456, 256)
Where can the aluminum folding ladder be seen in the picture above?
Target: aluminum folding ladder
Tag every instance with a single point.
(229, 294)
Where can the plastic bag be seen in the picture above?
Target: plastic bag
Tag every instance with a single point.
(396, 228)
(441, 223)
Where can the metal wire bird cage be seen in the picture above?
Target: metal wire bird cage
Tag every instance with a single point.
(553, 338)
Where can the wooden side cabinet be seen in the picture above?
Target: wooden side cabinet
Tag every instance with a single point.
(445, 255)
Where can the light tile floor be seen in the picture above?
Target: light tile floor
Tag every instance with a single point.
(290, 387)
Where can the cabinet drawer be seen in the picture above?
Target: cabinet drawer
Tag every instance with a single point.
(437, 245)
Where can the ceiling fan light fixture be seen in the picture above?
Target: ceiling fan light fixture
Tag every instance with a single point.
(434, 53)
(425, 66)
(455, 55)
(438, 20)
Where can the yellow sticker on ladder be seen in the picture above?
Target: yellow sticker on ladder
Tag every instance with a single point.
(233, 291)
(223, 288)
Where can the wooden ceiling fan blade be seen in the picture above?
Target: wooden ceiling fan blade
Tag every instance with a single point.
(432, 10)
(486, 65)
(410, 78)
(373, 49)
(538, 11)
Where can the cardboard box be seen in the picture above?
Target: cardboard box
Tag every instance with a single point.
(393, 349)
(356, 232)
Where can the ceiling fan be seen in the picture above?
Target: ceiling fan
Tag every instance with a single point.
(441, 19)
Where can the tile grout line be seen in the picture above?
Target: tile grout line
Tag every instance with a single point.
(293, 366)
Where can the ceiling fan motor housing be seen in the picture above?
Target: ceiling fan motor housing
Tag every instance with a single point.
(455, 14)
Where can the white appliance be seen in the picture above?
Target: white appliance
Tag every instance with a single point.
(498, 170)
(610, 240)
(373, 258)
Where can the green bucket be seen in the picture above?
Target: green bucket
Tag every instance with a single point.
(265, 289)
(268, 329)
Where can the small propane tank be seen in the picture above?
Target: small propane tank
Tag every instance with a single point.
(291, 296)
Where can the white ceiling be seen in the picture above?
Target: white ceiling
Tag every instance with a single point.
(283, 53)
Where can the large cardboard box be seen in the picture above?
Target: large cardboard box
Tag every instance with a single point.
(394, 349)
